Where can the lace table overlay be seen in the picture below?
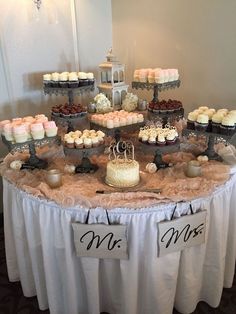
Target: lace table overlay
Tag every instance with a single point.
(80, 189)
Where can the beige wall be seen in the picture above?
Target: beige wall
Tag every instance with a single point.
(197, 37)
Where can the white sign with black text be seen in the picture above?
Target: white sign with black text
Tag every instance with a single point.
(100, 240)
(178, 234)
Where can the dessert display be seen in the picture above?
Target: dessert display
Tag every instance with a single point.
(158, 136)
(165, 107)
(122, 169)
(21, 130)
(85, 139)
(117, 119)
(68, 79)
(68, 111)
(156, 76)
(130, 102)
(206, 119)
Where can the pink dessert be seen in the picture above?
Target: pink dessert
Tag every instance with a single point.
(50, 128)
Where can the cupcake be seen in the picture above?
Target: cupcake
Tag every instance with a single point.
(83, 79)
(79, 143)
(63, 80)
(7, 132)
(20, 133)
(90, 77)
(145, 138)
(37, 131)
(216, 122)
(95, 141)
(151, 76)
(227, 125)
(143, 75)
(55, 79)
(210, 114)
(47, 80)
(152, 140)
(192, 117)
(202, 122)
(50, 128)
(170, 138)
(87, 142)
(136, 76)
(70, 142)
(2, 123)
(161, 141)
(73, 80)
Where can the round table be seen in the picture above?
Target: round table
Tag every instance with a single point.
(40, 253)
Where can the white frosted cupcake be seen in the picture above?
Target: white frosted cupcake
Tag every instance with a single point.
(79, 143)
(87, 142)
(202, 122)
(63, 79)
(73, 80)
(227, 126)
(55, 79)
(47, 80)
(20, 133)
(95, 141)
(70, 142)
(192, 117)
(216, 122)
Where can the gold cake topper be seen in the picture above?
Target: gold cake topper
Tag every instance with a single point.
(121, 150)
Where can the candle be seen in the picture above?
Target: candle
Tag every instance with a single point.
(54, 178)
(193, 169)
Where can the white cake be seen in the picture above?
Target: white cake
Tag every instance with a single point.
(122, 173)
(122, 169)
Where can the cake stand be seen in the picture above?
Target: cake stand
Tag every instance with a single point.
(84, 153)
(158, 151)
(212, 139)
(33, 161)
(68, 91)
(156, 87)
(71, 123)
(114, 131)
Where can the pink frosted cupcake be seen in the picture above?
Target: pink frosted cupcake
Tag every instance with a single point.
(50, 128)
(2, 123)
(20, 133)
(37, 131)
(7, 132)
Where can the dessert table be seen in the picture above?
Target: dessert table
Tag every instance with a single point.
(40, 253)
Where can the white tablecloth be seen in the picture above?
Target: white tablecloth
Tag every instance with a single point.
(41, 254)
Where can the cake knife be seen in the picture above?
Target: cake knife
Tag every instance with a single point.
(126, 191)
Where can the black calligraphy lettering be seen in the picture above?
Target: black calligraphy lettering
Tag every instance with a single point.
(176, 234)
(100, 240)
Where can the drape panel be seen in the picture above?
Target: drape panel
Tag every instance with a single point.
(40, 253)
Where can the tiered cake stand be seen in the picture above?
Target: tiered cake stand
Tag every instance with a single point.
(159, 88)
(213, 138)
(33, 161)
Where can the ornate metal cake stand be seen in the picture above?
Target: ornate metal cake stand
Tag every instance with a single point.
(68, 91)
(83, 153)
(70, 122)
(114, 131)
(212, 139)
(156, 87)
(158, 151)
(33, 161)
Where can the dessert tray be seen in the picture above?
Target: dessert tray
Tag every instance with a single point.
(33, 161)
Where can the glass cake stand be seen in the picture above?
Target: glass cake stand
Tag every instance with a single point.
(33, 161)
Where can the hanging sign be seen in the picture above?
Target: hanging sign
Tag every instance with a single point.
(178, 234)
(100, 240)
